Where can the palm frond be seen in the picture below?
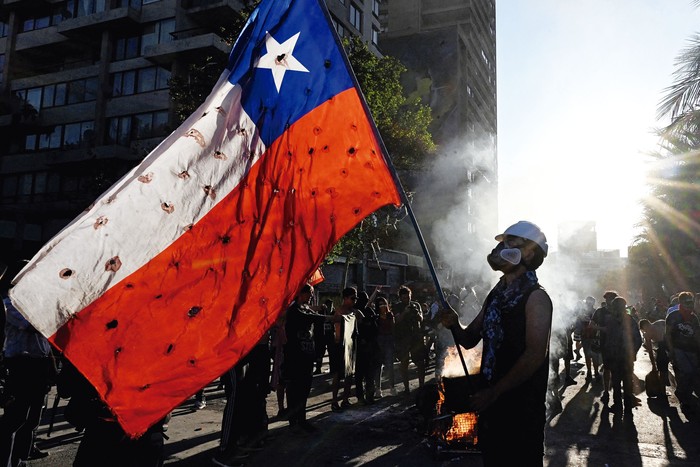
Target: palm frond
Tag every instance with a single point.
(684, 94)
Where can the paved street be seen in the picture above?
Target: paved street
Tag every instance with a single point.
(390, 433)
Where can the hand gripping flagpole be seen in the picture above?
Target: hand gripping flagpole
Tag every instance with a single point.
(402, 192)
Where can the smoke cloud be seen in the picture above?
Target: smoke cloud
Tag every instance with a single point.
(457, 199)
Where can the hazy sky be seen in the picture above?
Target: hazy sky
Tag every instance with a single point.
(579, 82)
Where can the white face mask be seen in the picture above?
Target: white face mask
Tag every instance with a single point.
(512, 255)
(503, 259)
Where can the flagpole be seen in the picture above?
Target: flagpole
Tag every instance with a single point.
(397, 181)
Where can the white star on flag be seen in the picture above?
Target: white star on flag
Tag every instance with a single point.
(279, 58)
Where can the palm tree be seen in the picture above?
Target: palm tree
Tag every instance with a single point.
(667, 251)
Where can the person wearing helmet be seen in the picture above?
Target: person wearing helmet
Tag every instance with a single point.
(514, 324)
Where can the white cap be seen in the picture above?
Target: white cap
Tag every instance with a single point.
(526, 230)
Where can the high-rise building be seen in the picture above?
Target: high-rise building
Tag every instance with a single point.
(449, 48)
(84, 95)
(357, 17)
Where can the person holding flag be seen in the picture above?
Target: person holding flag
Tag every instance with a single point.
(187, 260)
(300, 354)
(514, 324)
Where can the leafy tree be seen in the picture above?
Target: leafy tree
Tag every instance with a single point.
(665, 256)
(403, 122)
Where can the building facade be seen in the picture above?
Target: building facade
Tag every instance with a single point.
(449, 48)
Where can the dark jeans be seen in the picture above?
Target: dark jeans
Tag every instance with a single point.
(622, 380)
(662, 359)
(300, 373)
(27, 384)
(365, 369)
(513, 427)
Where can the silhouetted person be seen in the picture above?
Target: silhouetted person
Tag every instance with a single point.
(514, 324)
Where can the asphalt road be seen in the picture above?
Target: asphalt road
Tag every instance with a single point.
(391, 432)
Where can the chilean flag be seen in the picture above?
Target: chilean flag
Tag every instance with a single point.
(172, 276)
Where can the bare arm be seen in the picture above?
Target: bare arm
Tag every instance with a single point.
(466, 337)
(669, 341)
(538, 321)
(377, 289)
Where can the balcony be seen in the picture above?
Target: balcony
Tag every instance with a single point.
(93, 25)
(187, 43)
(213, 11)
(46, 51)
(39, 38)
(23, 6)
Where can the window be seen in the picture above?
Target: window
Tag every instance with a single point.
(124, 84)
(78, 8)
(355, 17)
(119, 131)
(72, 135)
(162, 78)
(49, 93)
(51, 140)
(483, 56)
(58, 13)
(157, 33)
(34, 98)
(165, 29)
(78, 134)
(375, 7)
(28, 25)
(131, 3)
(338, 27)
(42, 23)
(122, 130)
(60, 94)
(147, 80)
(76, 92)
(126, 47)
(375, 36)
(136, 81)
(54, 95)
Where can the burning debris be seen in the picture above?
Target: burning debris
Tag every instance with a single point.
(452, 429)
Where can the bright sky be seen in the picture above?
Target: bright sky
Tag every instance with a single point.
(579, 84)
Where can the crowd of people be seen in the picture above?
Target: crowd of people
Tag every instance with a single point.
(364, 339)
(610, 337)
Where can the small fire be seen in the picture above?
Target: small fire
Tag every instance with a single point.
(458, 428)
(463, 428)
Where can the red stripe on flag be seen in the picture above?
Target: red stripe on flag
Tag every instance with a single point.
(317, 277)
(195, 309)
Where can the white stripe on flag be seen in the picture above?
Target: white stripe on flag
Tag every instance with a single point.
(145, 212)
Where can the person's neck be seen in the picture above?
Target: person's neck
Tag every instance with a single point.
(510, 276)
